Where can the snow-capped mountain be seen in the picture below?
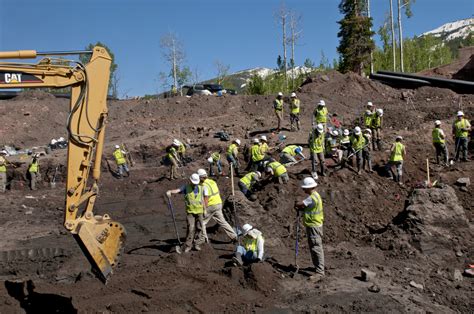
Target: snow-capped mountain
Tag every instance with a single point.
(453, 30)
(242, 77)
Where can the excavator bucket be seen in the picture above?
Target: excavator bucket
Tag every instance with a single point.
(102, 242)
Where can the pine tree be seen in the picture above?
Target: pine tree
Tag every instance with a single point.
(355, 36)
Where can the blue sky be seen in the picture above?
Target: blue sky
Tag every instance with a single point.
(240, 33)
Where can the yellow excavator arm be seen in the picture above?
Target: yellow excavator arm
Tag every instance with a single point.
(100, 238)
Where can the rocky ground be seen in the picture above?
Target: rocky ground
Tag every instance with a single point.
(413, 243)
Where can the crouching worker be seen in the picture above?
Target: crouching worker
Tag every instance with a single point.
(252, 248)
(247, 182)
(277, 171)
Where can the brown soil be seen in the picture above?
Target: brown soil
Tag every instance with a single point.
(398, 232)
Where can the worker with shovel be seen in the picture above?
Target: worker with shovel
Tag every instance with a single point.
(289, 153)
(461, 130)
(119, 155)
(397, 153)
(295, 105)
(252, 248)
(439, 142)
(34, 171)
(358, 143)
(232, 155)
(316, 147)
(195, 198)
(313, 217)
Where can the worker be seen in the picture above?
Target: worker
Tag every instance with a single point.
(119, 155)
(376, 128)
(316, 148)
(3, 174)
(232, 155)
(321, 114)
(252, 248)
(34, 171)
(336, 123)
(371, 107)
(264, 149)
(277, 171)
(247, 183)
(313, 217)
(439, 142)
(358, 143)
(214, 207)
(256, 155)
(367, 118)
(172, 159)
(397, 154)
(461, 130)
(278, 107)
(345, 146)
(295, 112)
(333, 146)
(215, 159)
(181, 150)
(288, 154)
(195, 198)
(366, 159)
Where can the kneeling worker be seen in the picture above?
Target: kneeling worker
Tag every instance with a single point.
(277, 171)
(252, 248)
(289, 153)
(247, 182)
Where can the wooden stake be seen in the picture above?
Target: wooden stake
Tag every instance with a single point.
(428, 182)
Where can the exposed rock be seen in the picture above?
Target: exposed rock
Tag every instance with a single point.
(463, 182)
(416, 285)
(457, 275)
(367, 275)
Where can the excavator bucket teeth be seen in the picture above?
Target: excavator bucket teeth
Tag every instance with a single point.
(102, 242)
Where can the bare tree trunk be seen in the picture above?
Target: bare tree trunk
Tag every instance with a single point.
(371, 52)
(393, 38)
(283, 23)
(295, 34)
(400, 35)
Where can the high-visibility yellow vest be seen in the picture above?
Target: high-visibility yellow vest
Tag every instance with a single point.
(316, 144)
(3, 168)
(313, 215)
(249, 179)
(119, 157)
(295, 105)
(214, 196)
(278, 169)
(397, 154)
(34, 167)
(256, 153)
(251, 244)
(358, 142)
(264, 148)
(368, 119)
(290, 150)
(232, 150)
(376, 121)
(437, 138)
(182, 148)
(171, 153)
(216, 156)
(345, 139)
(194, 202)
(459, 125)
(321, 114)
(278, 104)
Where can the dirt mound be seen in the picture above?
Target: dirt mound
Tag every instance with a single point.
(461, 69)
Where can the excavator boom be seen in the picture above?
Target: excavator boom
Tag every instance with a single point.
(100, 238)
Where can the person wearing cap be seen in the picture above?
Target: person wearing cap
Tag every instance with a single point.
(34, 171)
(3, 174)
(317, 149)
(231, 155)
(172, 159)
(289, 153)
(195, 198)
(335, 122)
(277, 171)
(358, 143)
(366, 159)
(247, 182)
(121, 161)
(256, 155)
(321, 114)
(214, 207)
(313, 217)
(215, 159)
(439, 142)
(252, 248)
(278, 107)
(461, 130)
(397, 154)
(295, 112)
(376, 128)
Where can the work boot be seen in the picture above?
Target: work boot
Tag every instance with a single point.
(237, 259)
(197, 247)
(370, 166)
(314, 175)
(316, 277)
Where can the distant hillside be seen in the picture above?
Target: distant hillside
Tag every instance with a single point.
(453, 30)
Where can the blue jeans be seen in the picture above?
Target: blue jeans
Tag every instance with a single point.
(247, 256)
(219, 168)
(122, 168)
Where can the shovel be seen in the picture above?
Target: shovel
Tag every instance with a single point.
(297, 244)
(170, 207)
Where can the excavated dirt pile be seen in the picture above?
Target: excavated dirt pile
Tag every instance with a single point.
(413, 243)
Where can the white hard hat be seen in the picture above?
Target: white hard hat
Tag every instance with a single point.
(368, 111)
(176, 142)
(293, 95)
(322, 103)
(346, 132)
(194, 178)
(246, 228)
(368, 131)
(265, 163)
(308, 183)
(335, 133)
(117, 146)
(61, 139)
(357, 130)
(380, 112)
(53, 141)
(437, 122)
(258, 174)
(202, 173)
(237, 141)
(263, 138)
(399, 137)
(320, 127)
(460, 113)
(256, 140)
(280, 94)
(370, 104)
(210, 160)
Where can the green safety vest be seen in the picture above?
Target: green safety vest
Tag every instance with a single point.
(3, 168)
(345, 139)
(194, 202)
(278, 169)
(295, 106)
(171, 153)
(264, 148)
(358, 142)
(214, 196)
(313, 215)
(290, 150)
(316, 143)
(232, 150)
(459, 125)
(278, 104)
(368, 119)
(436, 134)
(181, 149)
(34, 167)
(256, 153)
(216, 156)
(321, 115)
(250, 244)
(249, 179)
(397, 154)
(376, 121)
(119, 157)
